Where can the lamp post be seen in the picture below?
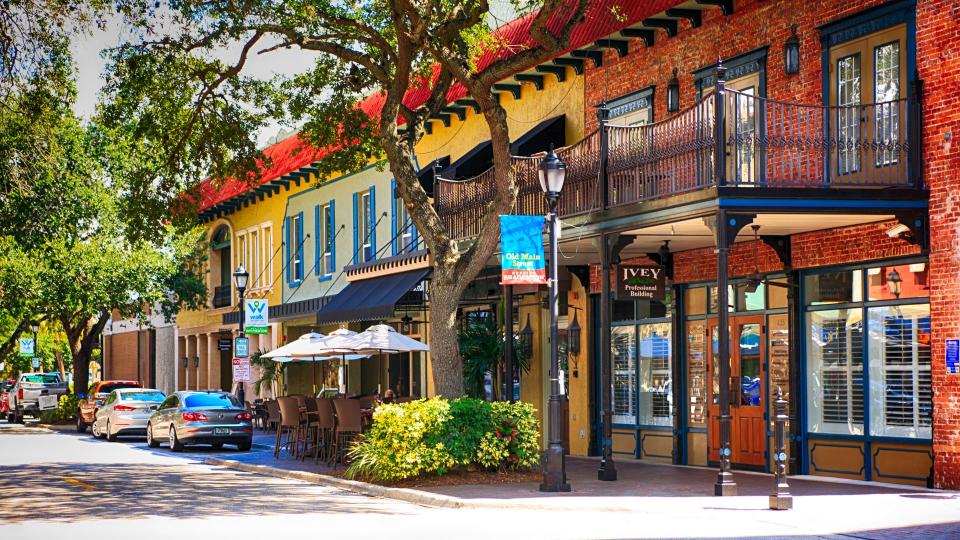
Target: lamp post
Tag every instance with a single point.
(240, 277)
(35, 327)
(552, 173)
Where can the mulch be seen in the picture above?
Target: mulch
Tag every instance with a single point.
(456, 478)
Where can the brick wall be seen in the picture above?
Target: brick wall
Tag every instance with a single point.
(759, 24)
(752, 25)
(938, 64)
(120, 360)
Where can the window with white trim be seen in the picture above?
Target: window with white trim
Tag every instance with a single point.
(363, 229)
(901, 399)
(326, 241)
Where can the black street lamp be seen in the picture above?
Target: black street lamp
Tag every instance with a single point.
(35, 326)
(240, 277)
(552, 173)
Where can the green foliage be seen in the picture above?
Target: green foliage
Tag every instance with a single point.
(270, 371)
(433, 436)
(66, 410)
(481, 347)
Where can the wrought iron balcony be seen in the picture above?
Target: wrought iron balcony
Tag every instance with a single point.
(221, 296)
(726, 139)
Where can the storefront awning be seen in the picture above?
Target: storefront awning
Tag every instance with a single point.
(370, 299)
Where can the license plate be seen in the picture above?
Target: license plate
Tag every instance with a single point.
(47, 402)
(221, 431)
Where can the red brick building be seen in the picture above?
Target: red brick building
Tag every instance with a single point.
(816, 158)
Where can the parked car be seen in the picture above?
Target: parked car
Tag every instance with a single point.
(201, 417)
(5, 386)
(125, 411)
(93, 400)
(33, 393)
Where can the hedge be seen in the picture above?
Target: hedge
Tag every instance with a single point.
(435, 436)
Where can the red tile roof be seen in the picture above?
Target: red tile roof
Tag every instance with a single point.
(603, 18)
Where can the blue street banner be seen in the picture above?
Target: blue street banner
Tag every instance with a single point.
(257, 317)
(27, 347)
(521, 247)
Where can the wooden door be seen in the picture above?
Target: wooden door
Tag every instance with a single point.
(747, 388)
(867, 87)
(748, 431)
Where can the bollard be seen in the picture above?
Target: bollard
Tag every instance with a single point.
(780, 497)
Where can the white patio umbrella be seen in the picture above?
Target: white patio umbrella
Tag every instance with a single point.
(382, 339)
(303, 349)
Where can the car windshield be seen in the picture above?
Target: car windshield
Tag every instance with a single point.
(45, 379)
(211, 400)
(155, 397)
(107, 388)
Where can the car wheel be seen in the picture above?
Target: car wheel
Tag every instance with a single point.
(175, 443)
(18, 417)
(217, 446)
(245, 446)
(81, 425)
(112, 437)
(151, 442)
(95, 430)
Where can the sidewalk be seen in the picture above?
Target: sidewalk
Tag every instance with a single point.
(821, 506)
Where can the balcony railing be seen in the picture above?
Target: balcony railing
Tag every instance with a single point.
(221, 296)
(728, 138)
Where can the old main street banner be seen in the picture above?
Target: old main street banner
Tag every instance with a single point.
(521, 246)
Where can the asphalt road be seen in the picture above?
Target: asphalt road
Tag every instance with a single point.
(59, 484)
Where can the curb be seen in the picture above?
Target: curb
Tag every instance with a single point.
(415, 496)
(363, 488)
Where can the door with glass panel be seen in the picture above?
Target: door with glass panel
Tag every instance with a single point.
(868, 113)
(747, 388)
(742, 112)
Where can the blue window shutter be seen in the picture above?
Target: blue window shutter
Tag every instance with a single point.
(286, 247)
(316, 240)
(299, 268)
(393, 222)
(333, 236)
(373, 222)
(356, 230)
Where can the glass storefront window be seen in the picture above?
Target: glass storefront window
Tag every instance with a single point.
(715, 298)
(901, 402)
(835, 371)
(747, 300)
(697, 371)
(695, 301)
(834, 287)
(655, 392)
(913, 282)
(623, 344)
(777, 296)
(778, 356)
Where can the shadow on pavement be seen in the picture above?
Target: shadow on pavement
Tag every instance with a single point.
(79, 492)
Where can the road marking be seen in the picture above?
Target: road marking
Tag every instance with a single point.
(78, 483)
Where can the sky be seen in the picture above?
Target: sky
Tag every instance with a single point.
(87, 51)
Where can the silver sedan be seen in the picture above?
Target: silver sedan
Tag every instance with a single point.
(201, 417)
(125, 411)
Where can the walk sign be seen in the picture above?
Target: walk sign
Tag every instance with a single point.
(256, 317)
(27, 347)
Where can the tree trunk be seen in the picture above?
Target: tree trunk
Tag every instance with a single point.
(444, 340)
(82, 335)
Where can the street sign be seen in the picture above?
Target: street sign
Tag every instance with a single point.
(521, 246)
(953, 356)
(35, 363)
(640, 282)
(256, 317)
(241, 347)
(26, 347)
(224, 344)
(241, 370)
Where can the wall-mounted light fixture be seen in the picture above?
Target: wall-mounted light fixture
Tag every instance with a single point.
(526, 339)
(196, 361)
(405, 324)
(673, 93)
(573, 336)
(186, 362)
(894, 283)
(791, 53)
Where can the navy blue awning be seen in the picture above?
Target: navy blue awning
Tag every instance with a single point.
(370, 299)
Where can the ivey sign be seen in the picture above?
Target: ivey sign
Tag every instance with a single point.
(640, 282)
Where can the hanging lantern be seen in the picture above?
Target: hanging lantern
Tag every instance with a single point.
(673, 93)
(526, 339)
(894, 282)
(791, 51)
(573, 336)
